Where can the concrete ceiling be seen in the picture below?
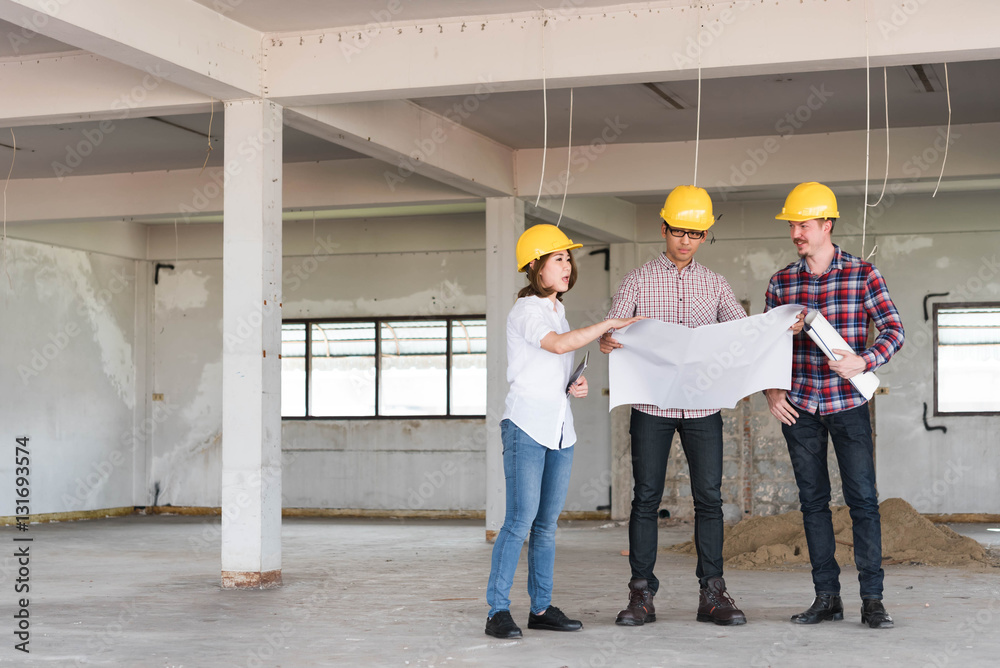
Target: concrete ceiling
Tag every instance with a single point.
(757, 106)
(750, 106)
(141, 145)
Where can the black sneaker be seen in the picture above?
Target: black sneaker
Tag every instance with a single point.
(553, 619)
(501, 625)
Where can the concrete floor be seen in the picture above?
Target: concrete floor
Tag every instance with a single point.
(144, 591)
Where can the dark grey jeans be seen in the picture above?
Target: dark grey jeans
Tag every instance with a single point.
(808, 439)
(701, 439)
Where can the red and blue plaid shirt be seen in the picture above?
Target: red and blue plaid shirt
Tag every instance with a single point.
(848, 294)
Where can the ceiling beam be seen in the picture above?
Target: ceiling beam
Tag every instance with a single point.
(607, 219)
(412, 140)
(189, 195)
(659, 41)
(746, 164)
(85, 87)
(116, 237)
(182, 41)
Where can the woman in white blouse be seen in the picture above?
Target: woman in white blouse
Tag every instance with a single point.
(537, 428)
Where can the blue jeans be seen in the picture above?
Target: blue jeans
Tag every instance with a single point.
(537, 481)
(701, 439)
(852, 441)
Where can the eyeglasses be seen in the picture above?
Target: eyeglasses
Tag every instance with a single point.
(691, 234)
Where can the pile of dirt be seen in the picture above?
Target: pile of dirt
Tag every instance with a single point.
(762, 543)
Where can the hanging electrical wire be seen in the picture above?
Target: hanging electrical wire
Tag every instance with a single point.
(885, 82)
(947, 138)
(569, 154)
(208, 153)
(545, 121)
(697, 127)
(868, 135)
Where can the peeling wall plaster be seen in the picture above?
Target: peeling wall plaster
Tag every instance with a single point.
(763, 263)
(66, 362)
(182, 290)
(192, 462)
(892, 245)
(63, 274)
(186, 455)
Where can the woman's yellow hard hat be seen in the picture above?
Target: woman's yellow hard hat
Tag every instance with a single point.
(541, 240)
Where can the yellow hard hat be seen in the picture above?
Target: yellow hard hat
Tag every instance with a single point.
(808, 201)
(541, 240)
(689, 207)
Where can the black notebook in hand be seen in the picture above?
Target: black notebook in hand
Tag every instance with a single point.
(578, 372)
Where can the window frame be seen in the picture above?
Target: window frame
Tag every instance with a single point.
(377, 321)
(934, 328)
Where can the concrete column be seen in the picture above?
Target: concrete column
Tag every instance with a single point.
(146, 418)
(622, 261)
(251, 327)
(504, 224)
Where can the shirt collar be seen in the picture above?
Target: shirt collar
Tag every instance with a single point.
(836, 263)
(669, 264)
(559, 309)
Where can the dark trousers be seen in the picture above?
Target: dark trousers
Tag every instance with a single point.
(701, 439)
(851, 432)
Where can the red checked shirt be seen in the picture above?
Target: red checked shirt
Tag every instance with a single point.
(848, 294)
(693, 297)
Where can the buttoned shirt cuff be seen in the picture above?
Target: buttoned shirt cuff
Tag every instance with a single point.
(871, 361)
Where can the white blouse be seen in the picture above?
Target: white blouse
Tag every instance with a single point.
(537, 401)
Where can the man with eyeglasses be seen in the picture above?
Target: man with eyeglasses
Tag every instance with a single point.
(675, 288)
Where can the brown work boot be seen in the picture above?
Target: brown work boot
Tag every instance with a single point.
(640, 608)
(716, 605)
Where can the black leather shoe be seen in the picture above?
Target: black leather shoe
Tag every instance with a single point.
(501, 625)
(553, 619)
(874, 615)
(825, 607)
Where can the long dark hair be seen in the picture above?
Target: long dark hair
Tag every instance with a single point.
(534, 288)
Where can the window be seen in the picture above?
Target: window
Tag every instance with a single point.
(391, 367)
(967, 358)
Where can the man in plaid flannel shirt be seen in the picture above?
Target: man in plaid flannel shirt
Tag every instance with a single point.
(822, 403)
(675, 288)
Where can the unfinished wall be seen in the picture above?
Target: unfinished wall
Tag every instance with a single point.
(80, 332)
(401, 267)
(186, 451)
(68, 376)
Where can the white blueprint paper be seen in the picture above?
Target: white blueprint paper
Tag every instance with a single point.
(672, 366)
(827, 339)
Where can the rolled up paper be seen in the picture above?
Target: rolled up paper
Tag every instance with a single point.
(826, 337)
